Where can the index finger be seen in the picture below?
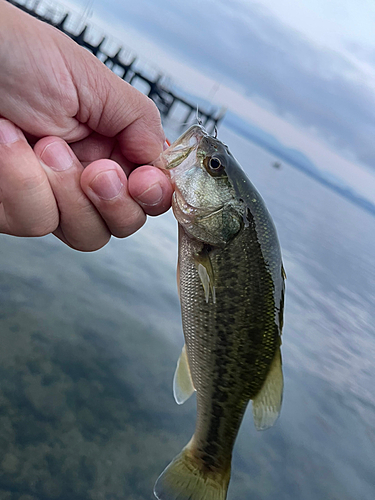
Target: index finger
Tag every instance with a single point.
(27, 203)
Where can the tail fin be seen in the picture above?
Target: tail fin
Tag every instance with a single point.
(186, 479)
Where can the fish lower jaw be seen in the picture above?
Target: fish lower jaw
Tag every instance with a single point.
(184, 213)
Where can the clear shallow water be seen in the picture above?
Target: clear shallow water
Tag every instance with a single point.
(89, 344)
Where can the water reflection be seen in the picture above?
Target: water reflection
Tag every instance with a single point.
(89, 344)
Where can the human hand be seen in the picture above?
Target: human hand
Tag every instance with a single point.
(89, 130)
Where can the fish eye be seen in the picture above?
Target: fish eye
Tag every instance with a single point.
(214, 164)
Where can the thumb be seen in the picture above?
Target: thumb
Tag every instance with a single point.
(112, 107)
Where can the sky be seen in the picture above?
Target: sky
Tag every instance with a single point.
(302, 71)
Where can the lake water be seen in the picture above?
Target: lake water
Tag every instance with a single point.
(89, 344)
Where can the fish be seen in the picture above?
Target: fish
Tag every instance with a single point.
(231, 286)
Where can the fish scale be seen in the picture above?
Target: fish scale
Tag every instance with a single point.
(231, 343)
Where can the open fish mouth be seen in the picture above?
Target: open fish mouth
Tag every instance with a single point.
(179, 150)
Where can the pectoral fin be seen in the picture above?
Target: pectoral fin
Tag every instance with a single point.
(183, 386)
(267, 403)
(206, 274)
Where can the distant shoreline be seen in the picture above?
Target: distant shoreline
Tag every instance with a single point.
(294, 158)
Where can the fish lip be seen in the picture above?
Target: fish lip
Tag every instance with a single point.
(180, 148)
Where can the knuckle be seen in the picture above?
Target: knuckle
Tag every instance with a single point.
(135, 219)
(89, 246)
(152, 109)
(34, 225)
(85, 231)
(32, 230)
(84, 242)
(29, 184)
(42, 227)
(144, 108)
(150, 112)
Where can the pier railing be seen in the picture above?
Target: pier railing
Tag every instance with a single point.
(124, 63)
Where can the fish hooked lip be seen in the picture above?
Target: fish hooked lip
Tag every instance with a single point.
(179, 150)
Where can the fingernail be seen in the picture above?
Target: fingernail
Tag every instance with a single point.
(151, 196)
(107, 185)
(57, 156)
(9, 133)
(166, 145)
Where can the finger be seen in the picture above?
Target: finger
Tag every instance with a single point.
(113, 108)
(151, 188)
(81, 226)
(28, 206)
(136, 141)
(105, 184)
(96, 147)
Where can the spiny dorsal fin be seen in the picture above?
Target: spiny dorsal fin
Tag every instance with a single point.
(267, 403)
(183, 386)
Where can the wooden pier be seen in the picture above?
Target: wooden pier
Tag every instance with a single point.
(165, 99)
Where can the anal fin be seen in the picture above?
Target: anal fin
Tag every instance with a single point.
(183, 386)
(267, 403)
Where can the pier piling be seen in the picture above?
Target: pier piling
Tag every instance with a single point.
(164, 98)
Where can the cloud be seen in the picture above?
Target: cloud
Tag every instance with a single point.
(312, 86)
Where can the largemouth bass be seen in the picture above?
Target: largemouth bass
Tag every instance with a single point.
(231, 285)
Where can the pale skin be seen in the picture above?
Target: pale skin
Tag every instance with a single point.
(71, 135)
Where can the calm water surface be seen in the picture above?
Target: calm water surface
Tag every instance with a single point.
(89, 344)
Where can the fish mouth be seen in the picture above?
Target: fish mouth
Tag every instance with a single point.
(179, 150)
(186, 214)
